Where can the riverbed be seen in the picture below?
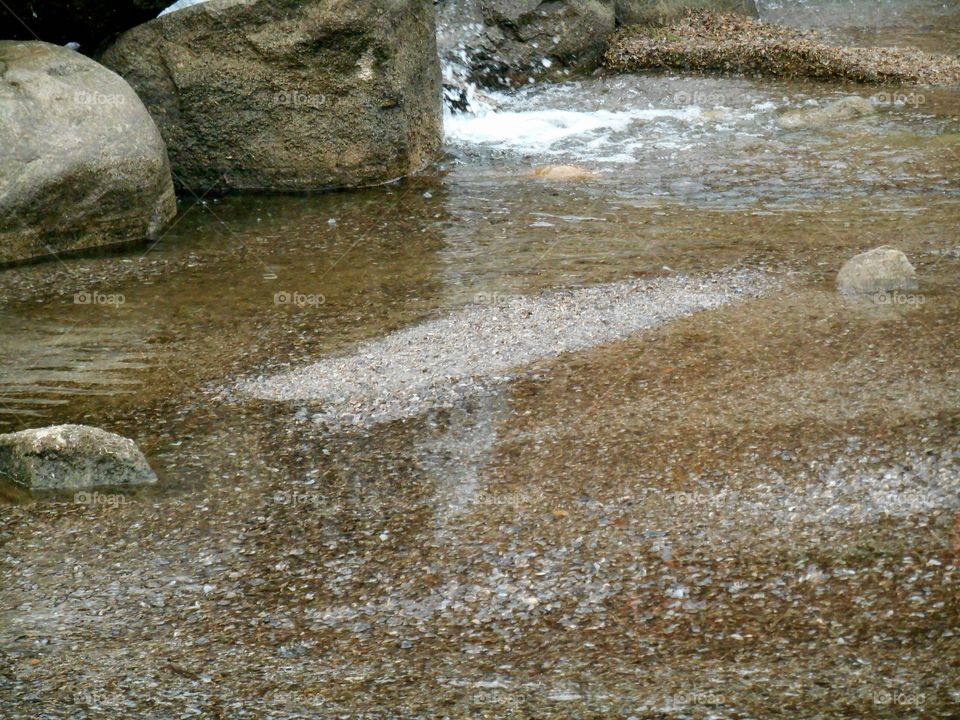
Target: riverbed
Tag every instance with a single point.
(748, 510)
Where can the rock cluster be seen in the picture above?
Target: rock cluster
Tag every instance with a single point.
(506, 42)
(244, 94)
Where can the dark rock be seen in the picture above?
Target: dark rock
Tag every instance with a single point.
(87, 22)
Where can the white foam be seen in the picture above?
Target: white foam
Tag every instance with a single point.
(547, 131)
(180, 5)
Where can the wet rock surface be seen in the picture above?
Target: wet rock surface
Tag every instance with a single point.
(504, 43)
(81, 161)
(264, 96)
(71, 457)
(716, 42)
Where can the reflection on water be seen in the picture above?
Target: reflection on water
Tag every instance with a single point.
(456, 446)
(48, 362)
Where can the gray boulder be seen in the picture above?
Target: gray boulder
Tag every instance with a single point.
(881, 270)
(664, 12)
(506, 42)
(71, 457)
(261, 94)
(81, 161)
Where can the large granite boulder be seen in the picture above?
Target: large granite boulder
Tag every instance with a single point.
(81, 161)
(506, 42)
(664, 12)
(87, 22)
(284, 95)
(71, 457)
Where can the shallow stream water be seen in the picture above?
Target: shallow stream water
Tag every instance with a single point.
(748, 512)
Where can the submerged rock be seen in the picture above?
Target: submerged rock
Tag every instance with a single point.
(844, 109)
(81, 161)
(881, 270)
(254, 94)
(71, 457)
(717, 42)
(663, 12)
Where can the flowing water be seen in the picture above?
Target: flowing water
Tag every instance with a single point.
(747, 512)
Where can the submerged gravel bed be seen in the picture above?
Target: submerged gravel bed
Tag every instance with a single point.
(716, 42)
(439, 362)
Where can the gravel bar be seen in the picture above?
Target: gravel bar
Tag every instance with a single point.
(441, 361)
(715, 42)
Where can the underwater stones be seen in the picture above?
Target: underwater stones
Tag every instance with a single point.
(838, 111)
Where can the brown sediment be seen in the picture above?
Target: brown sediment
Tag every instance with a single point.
(563, 172)
(716, 42)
